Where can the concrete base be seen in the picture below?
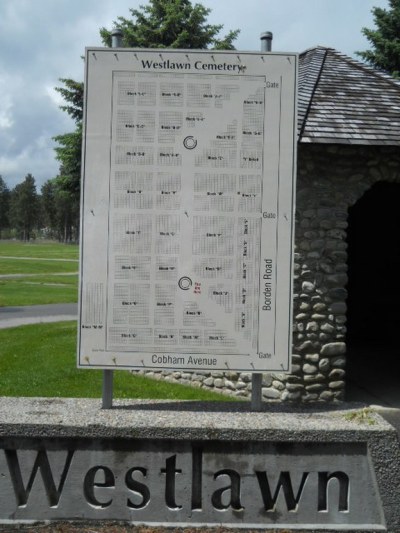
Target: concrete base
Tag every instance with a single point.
(317, 468)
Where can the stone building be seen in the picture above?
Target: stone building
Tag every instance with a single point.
(347, 243)
(347, 263)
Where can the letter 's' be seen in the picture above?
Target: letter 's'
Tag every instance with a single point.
(137, 488)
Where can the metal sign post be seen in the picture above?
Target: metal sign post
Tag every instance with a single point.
(108, 375)
(256, 378)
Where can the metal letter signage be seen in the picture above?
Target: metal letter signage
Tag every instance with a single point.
(187, 210)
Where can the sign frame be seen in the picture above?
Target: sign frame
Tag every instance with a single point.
(107, 156)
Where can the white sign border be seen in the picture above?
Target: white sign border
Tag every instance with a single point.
(286, 307)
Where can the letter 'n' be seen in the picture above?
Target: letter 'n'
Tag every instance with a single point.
(323, 484)
(41, 463)
(285, 483)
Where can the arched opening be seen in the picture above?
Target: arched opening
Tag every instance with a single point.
(373, 316)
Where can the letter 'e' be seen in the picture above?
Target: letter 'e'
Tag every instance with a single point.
(89, 484)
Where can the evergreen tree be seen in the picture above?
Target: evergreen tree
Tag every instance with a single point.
(4, 206)
(66, 186)
(49, 207)
(69, 153)
(171, 24)
(60, 212)
(161, 23)
(24, 208)
(73, 95)
(385, 39)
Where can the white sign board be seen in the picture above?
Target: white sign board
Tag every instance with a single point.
(187, 210)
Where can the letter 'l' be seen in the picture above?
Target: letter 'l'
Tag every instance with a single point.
(197, 483)
(42, 462)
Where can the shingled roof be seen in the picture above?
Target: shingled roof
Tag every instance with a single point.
(342, 101)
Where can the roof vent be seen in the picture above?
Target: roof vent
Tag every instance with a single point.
(266, 41)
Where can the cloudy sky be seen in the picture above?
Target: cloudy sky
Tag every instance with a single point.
(43, 40)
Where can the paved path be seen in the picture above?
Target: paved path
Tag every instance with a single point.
(37, 258)
(32, 314)
(12, 276)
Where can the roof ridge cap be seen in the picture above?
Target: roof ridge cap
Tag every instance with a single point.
(317, 47)
(313, 91)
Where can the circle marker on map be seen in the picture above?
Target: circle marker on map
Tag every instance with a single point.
(189, 142)
(185, 283)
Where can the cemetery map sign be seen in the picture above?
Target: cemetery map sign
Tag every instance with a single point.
(187, 210)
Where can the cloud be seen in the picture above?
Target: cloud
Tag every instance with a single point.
(43, 40)
(6, 120)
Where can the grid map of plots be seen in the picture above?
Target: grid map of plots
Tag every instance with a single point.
(185, 208)
(181, 251)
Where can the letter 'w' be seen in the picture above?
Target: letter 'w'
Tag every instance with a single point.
(41, 463)
(285, 483)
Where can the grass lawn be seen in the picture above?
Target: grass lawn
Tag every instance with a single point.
(40, 360)
(38, 281)
(39, 249)
(36, 266)
(38, 290)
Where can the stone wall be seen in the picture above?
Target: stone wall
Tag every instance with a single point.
(331, 178)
